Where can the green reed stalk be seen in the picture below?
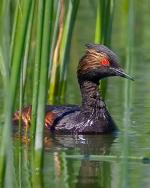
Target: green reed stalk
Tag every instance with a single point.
(4, 41)
(110, 6)
(55, 54)
(43, 83)
(19, 42)
(25, 59)
(54, 38)
(28, 41)
(59, 69)
(66, 45)
(39, 14)
(99, 22)
(11, 84)
(104, 19)
(13, 32)
(23, 77)
(4, 66)
(127, 94)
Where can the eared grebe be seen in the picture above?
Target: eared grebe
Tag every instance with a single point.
(92, 117)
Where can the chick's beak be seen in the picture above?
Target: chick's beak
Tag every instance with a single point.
(121, 73)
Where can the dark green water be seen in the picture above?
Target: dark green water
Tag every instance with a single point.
(128, 102)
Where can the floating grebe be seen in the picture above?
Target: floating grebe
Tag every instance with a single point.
(92, 117)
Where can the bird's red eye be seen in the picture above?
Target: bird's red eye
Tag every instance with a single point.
(105, 62)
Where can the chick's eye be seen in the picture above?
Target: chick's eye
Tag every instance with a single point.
(105, 62)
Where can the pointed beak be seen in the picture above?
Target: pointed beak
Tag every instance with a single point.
(121, 73)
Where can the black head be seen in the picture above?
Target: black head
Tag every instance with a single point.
(99, 62)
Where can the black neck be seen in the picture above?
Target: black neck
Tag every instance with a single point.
(91, 98)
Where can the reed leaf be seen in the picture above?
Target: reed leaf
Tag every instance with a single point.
(28, 42)
(4, 66)
(43, 83)
(4, 41)
(6, 144)
(37, 63)
(104, 19)
(127, 94)
(62, 51)
(56, 53)
(66, 45)
(13, 32)
(99, 22)
(23, 78)
(18, 48)
(54, 36)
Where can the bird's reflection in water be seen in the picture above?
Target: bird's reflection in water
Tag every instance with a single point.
(62, 171)
(82, 172)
